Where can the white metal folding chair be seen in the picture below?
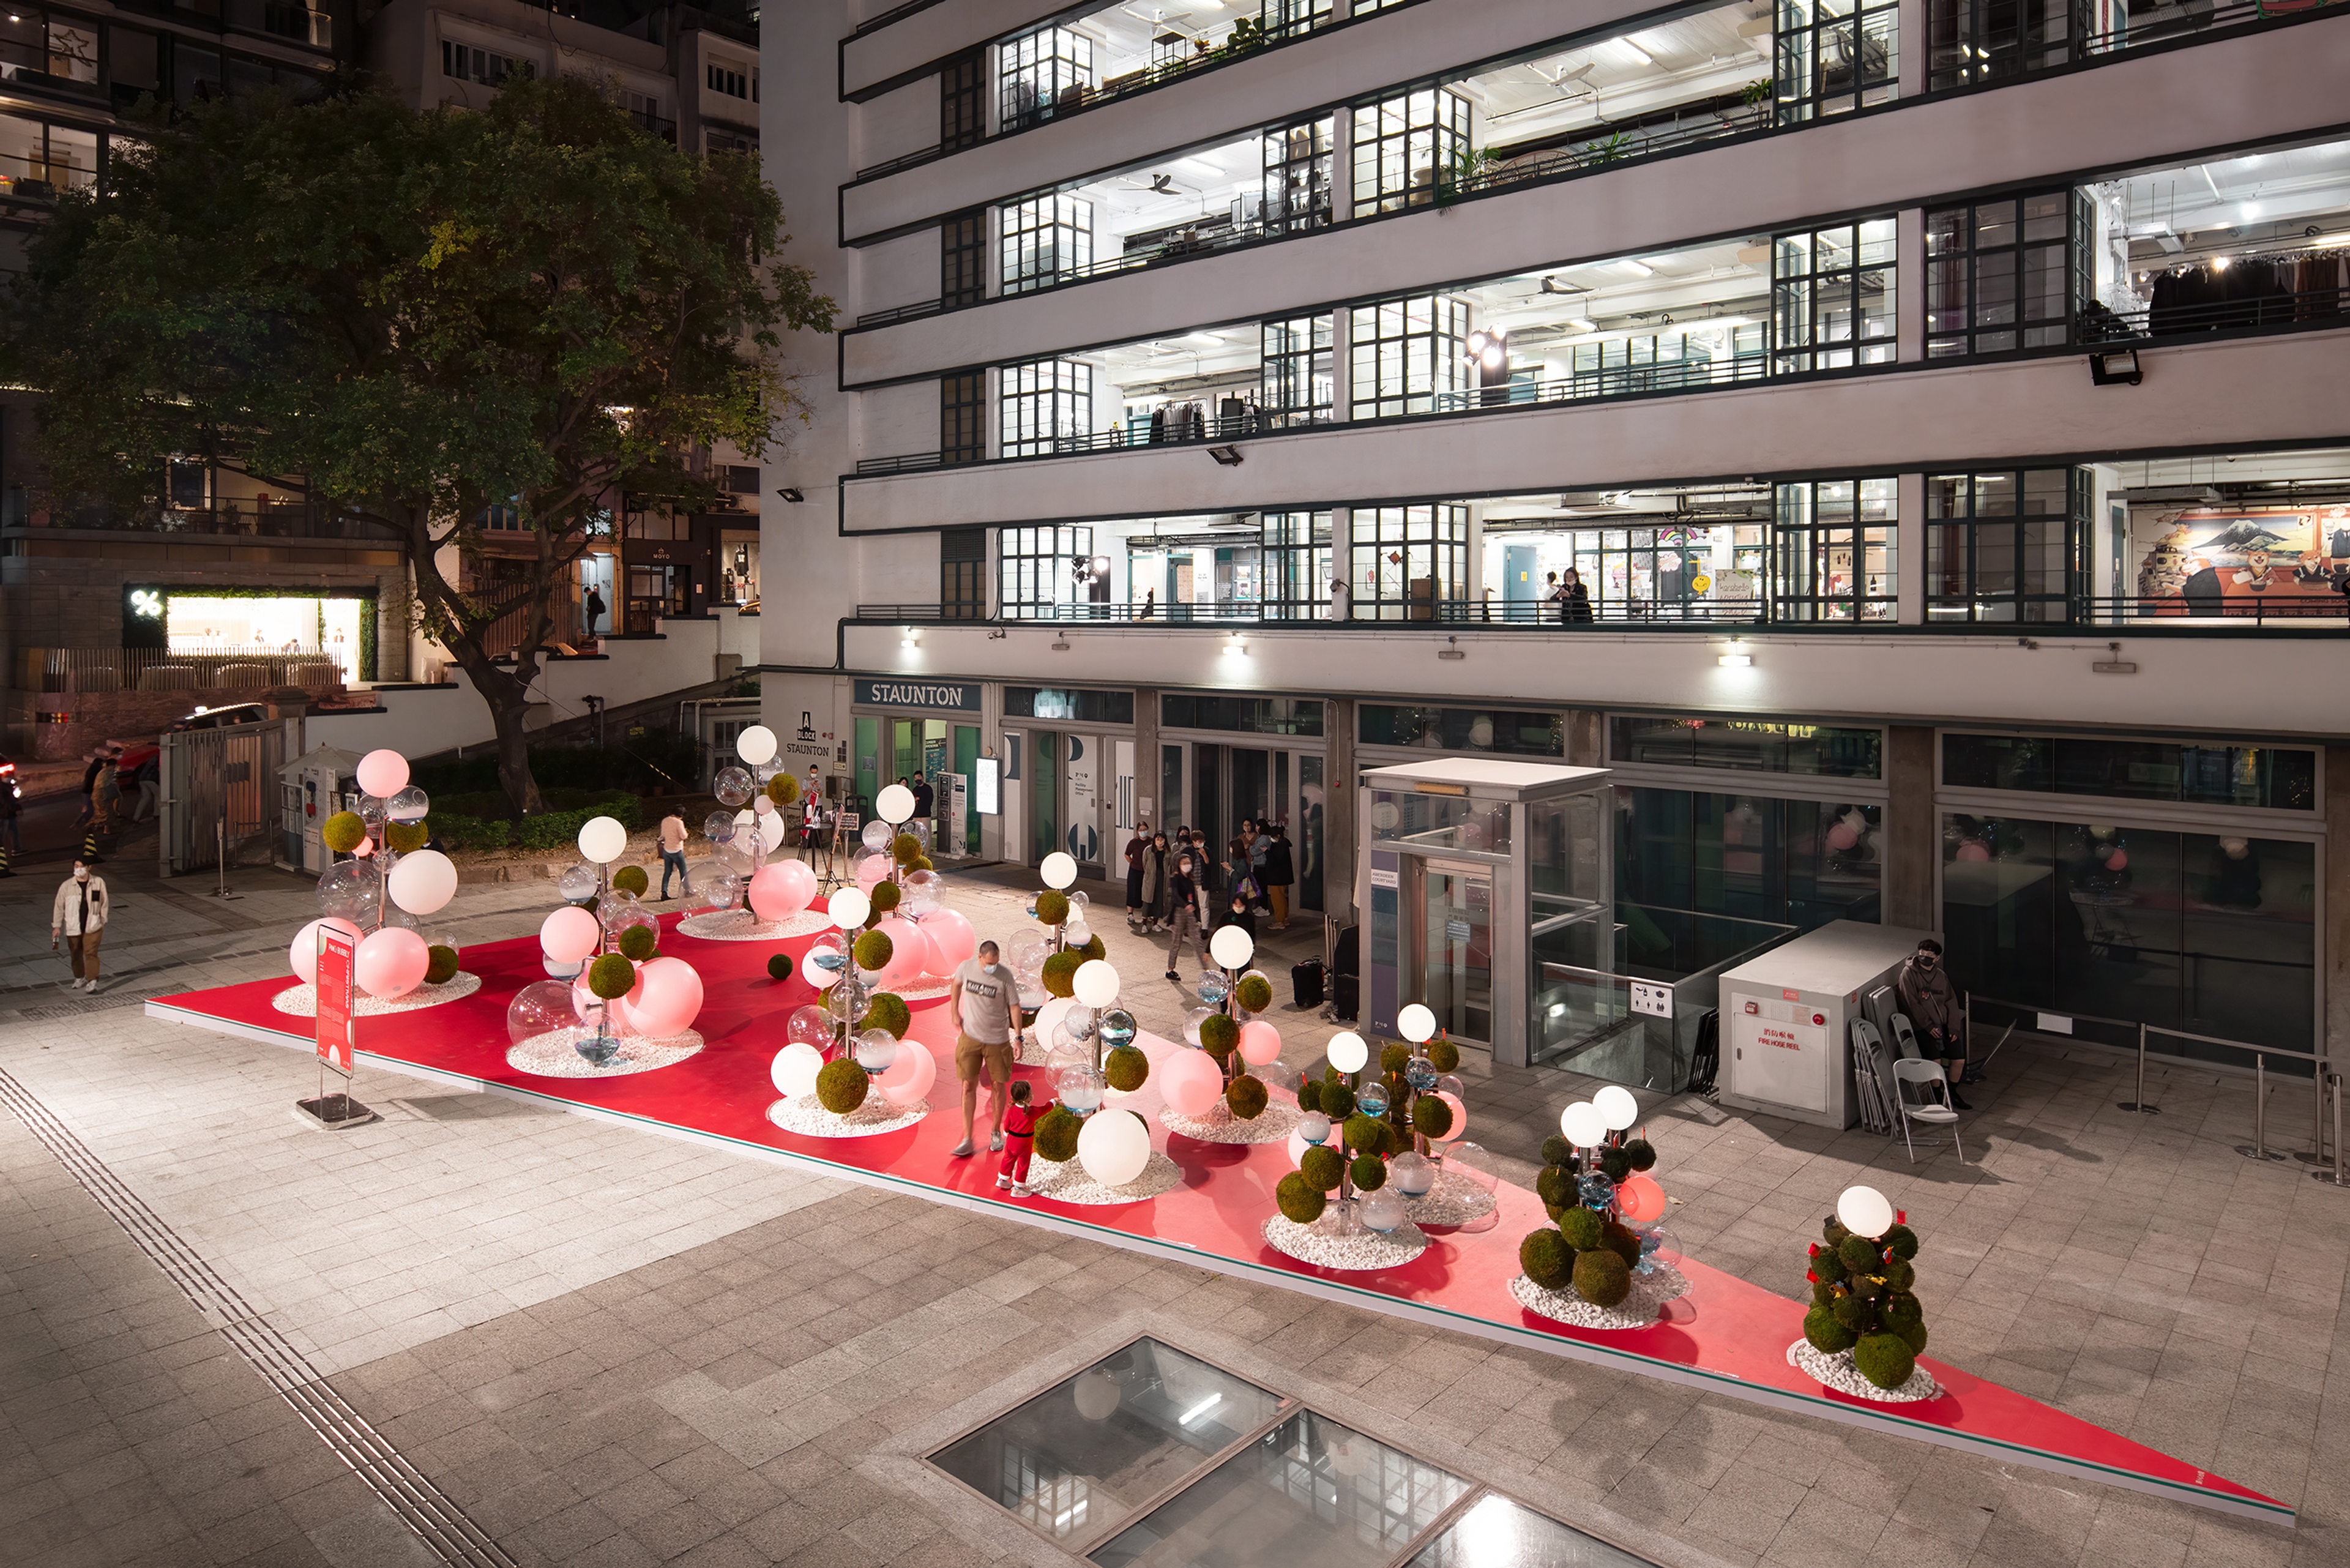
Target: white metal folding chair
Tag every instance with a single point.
(1934, 1112)
(1869, 1082)
(1904, 1038)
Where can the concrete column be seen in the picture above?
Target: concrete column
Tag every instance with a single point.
(1338, 832)
(1342, 370)
(1909, 284)
(1912, 836)
(1910, 562)
(1146, 775)
(1909, 24)
(2333, 972)
(1586, 738)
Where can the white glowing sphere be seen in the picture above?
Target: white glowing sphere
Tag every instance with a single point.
(603, 840)
(1416, 1023)
(1114, 1146)
(1582, 1124)
(1864, 1211)
(1230, 947)
(849, 907)
(1058, 870)
(1348, 1051)
(895, 804)
(1096, 982)
(1616, 1106)
(756, 745)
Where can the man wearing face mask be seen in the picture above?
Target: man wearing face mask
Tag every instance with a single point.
(1932, 1003)
(80, 915)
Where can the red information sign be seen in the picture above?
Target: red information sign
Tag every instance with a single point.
(337, 1040)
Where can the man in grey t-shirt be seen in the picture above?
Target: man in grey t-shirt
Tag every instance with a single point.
(986, 1001)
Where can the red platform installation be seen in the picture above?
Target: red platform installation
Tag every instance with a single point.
(1725, 1336)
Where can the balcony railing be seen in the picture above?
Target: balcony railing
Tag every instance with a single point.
(1135, 432)
(2312, 307)
(1205, 240)
(900, 313)
(250, 670)
(236, 519)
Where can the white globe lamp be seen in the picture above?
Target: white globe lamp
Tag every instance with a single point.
(894, 805)
(1096, 983)
(1582, 1124)
(1416, 1023)
(850, 909)
(603, 840)
(1230, 947)
(1114, 1146)
(1348, 1051)
(1058, 870)
(1864, 1211)
(756, 745)
(1616, 1107)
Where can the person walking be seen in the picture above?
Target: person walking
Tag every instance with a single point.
(1258, 839)
(1185, 905)
(1158, 865)
(672, 853)
(1931, 1001)
(102, 760)
(144, 769)
(594, 610)
(79, 917)
(12, 805)
(925, 799)
(1134, 848)
(1280, 875)
(986, 1000)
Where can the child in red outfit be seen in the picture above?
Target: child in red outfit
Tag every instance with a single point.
(1019, 1140)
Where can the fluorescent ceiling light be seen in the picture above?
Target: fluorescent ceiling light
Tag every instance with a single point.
(1201, 1408)
(1637, 53)
(1205, 339)
(1200, 166)
(1638, 269)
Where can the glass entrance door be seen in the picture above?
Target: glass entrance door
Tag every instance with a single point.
(1456, 948)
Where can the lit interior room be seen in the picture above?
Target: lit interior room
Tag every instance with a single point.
(198, 625)
(2252, 241)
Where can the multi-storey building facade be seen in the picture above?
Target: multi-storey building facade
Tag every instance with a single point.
(1946, 430)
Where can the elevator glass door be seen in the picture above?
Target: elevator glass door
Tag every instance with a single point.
(1456, 949)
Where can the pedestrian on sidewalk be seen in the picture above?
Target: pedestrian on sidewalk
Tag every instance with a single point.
(80, 916)
(672, 853)
(98, 764)
(1134, 848)
(985, 999)
(1157, 867)
(594, 610)
(11, 805)
(1185, 906)
(1280, 874)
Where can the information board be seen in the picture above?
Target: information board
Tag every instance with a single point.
(337, 1029)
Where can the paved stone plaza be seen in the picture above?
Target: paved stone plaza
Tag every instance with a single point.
(563, 1341)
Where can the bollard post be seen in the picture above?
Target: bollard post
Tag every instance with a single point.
(2338, 1176)
(2260, 1149)
(2139, 1105)
(2316, 1154)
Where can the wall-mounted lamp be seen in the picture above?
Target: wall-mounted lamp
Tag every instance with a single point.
(2116, 367)
(1060, 648)
(1237, 647)
(1737, 658)
(1452, 649)
(794, 496)
(1228, 456)
(909, 638)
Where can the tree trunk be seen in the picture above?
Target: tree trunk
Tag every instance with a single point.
(506, 694)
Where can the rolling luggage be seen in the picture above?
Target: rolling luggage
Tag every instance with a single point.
(1309, 982)
(1345, 996)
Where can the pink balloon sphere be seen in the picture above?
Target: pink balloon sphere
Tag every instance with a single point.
(1641, 1198)
(672, 995)
(1460, 1115)
(2118, 861)
(1260, 1043)
(1842, 837)
(1970, 850)
(383, 773)
(952, 939)
(909, 1076)
(390, 962)
(363, 848)
(1189, 1081)
(570, 935)
(302, 954)
(782, 891)
(909, 950)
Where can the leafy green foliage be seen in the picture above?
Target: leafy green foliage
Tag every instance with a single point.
(439, 965)
(1546, 1258)
(640, 943)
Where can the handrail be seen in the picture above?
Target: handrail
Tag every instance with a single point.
(2307, 307)
(2227, 609)
(900, 313)
(2034, 1007)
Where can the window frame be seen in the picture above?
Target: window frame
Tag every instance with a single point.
(963, 419)
(1386, 347)
(1430, 534)
(1041, 405)
(1809, 299)
(1026, 262)
(1959, 264)
(962, 259)
(1807, 535)
(1027, 586)
(1805, 30)
(1965, 548)
(1297, 371)
(1390, 131)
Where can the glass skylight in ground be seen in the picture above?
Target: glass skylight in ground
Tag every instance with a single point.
(1308, 1494)
(1499, 1534)
(1082, 1456)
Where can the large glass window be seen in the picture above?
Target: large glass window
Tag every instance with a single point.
(960, 121)
(1406, 146)
(1833, 297)
(1046, 239)
(1972, 42)
(1502, 731)
(1408, 560)
(1407, 354)
(1041, 71)
(962, 574)
(2006, 545)
(1747, 745)
(1040, 571)
(1834, 55)
(963, 419)
(1081, 703)
(962, 255)
(1250, 715)
(2273, 778)
(1298, 176)
(1741, 858)
(1297, 563)
(1297, 385)
(1835, 550)
(37, 160)
(1996, 275)
(1043, 404)
(2214, 933)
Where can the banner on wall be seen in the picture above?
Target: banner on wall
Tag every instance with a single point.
(802, 711)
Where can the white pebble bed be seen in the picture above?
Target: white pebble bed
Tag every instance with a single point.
(302, 1000)
(1277, 1121)
(1455, 1200)
(806, 1115)
(1355, 1254)
(1650, 1291)
(743, 925)
(1839, 1373)
(923, 988)
(1066, 1182)
(556, 1054)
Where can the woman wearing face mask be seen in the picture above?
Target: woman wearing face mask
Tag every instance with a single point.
(80, 916)
(1932, 1003)
(1185, 906)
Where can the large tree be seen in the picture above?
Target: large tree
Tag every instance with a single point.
(414, 318)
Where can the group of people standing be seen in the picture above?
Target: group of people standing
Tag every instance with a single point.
(1177, 884)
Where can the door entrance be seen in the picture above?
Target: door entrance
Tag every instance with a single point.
(1454, 919)
(1233, 785)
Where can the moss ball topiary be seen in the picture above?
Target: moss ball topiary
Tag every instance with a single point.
(1885, 1359)
(1056, 1134)
(611, 976)
(924, 864)
(1859, 1254)
(1867, 1287)
(885, 897)
(342, 831)
(1338, 1102)
(1582, 1227)
(1851, 1311)
(407, 835)
(1301, 1201)
(779, 967)
(1828, 1265)
(1620, 1239)
(1219, 1036)
(439, 965)
(1431, 1117)
(1053, 906)
(1827, 1334)
(632, 880)
(1309, 1096)
(783, 790)
(1253, 992)
(1061, 973)
(1641, 1153)
(1555, 1184)
(1613, 1164)
(874, 951)
(1322, 1166)
(1546, 1258)
(1443, 1055)
(1370, 1173)
(1245, 1097)
(905, 849)
(640, 943)
(1555, 1213)
(1556, 1150)
(1602, 1278)
(1362, 1134)
(1915, 1338)
(841, 1085)
(1094, 949)
(1125, 1069)
(1899, 1274)
(1901, 1242)
(1394, 1056)
(1902, 1310)
(1832, 1231)
(887, 1009)
(1823, 1293)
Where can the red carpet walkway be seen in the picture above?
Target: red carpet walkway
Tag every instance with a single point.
(1726, 1336)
